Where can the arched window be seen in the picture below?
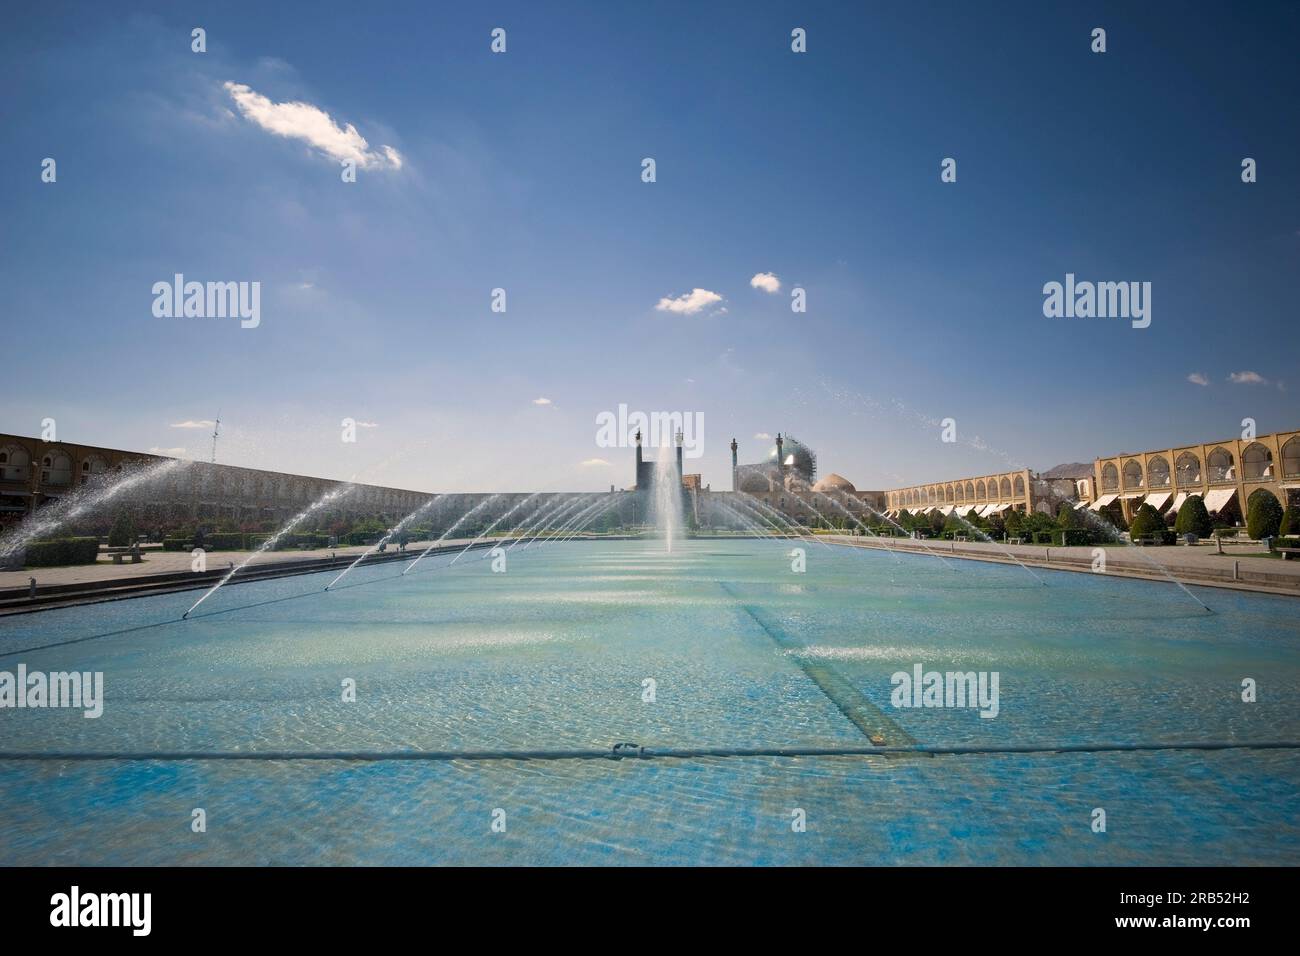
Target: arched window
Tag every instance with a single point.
(1157, 473)
(1187, 469)
(1291, 458)
(1132, 474)
(1004, 489)
(1220, 466)
(1109, 477)
(1020, 486)
(979, 491)
(970, 491)
(1256, 462)
(948, 493)
(961, 492)
(15, 463)
(56, 469)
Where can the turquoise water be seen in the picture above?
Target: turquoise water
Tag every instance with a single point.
(552, 655)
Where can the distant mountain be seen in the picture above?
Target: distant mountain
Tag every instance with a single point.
(1076, 469)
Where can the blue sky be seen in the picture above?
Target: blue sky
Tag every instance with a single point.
(522, 171)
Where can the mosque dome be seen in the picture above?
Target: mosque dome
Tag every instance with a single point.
(834, 482)
(756, 483)
(795, 455)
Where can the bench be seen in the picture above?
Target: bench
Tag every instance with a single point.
(1015, 541)
(119, 554)
(1289, 554)
(1144, 542)
(960, 537)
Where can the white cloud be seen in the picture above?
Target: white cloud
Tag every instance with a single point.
(1247, 378)
(192, 424)
(168, 452)
(542, 401)
(312, 125)
(766, 281)
(367, 424)
(595, 463)
(762, 436)
(690, 303)
(1196, 378)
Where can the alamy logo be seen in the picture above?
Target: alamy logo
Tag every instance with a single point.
(211, 300)
(661, 430)
(103, 909)
(61, 689)
(923, 688)
(1100, 300)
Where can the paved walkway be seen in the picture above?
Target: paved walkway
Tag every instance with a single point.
(1242, 566)
(162, 562)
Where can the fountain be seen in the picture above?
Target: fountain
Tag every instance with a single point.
(666, 494)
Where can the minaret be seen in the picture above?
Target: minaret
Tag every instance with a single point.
(734, 446)
(638, 459)
(680, 438)
(780, 456)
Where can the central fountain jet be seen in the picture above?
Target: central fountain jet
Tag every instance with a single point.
(659, 482)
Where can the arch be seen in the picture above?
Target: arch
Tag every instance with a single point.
(1109, 477)
(56, 468)
(1219, 464)
(970, 491)
(1291, 458)
(1187, 469)
(1020, 486)
(961, 491)
(979, 491)
(15, 463)
(1256, 462)
(1132, 473)
(948, 493)
(1004, 489)
(1158, 472)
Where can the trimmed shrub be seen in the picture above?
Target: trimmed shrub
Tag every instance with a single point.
(224, 541)
(1290, 522)
(62, 551)
(1147, 523)
(1193, 518)
(122, 534)
(1263, 515)
(176, 544)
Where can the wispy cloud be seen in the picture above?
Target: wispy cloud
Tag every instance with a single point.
(595, 463)
(367, 424)
(312, 125)
(762, 436)
(167, 452)
(766, 281)
(1197, 378)
(542, 401)
(697, 300)
(1247, 378)
(192, 424)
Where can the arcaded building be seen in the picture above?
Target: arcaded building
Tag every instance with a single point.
(1224, 473)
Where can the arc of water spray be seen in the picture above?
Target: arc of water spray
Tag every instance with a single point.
(459, 521)
(540, 517)
(577, 521)
(578, 503)
(856, 520)
(328, 498)
(1114, 532)
(42, 523)
(928, 549)
(397, 529)
(762, 508)
(494, 525)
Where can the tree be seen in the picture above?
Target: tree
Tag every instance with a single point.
(1290, 522)
(1193, 518)
(1263, 515)
(1067, 517)
(122, 534)
(1146, 523)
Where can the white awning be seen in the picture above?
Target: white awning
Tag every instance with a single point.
(964, 510)
(1102, 502)
(1079, 505)
(1178, 501)
(1219, 497)
(1131, 495)
(946, 509)
(1158, 500)
(1000, 506)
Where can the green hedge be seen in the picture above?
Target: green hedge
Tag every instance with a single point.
(62, 551)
